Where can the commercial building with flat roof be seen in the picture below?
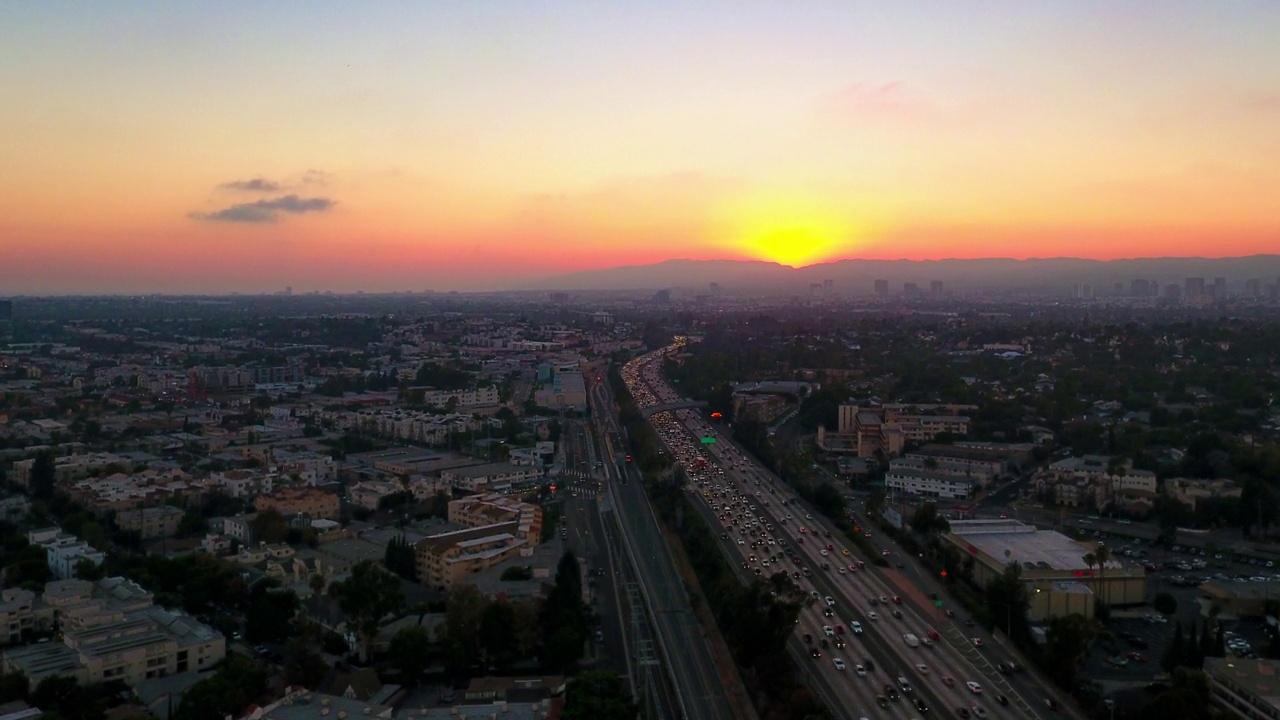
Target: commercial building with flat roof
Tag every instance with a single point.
(450, 558)
(1245, 689)
(1048, 560)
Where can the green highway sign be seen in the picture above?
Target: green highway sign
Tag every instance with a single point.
(708, 440)
(937, 603)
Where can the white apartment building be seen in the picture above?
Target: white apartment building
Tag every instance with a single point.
(417, 427)
(243, 483)
(64, 551)
(927, 484)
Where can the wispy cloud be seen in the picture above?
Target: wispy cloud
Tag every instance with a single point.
(258, 184)
(267, 210)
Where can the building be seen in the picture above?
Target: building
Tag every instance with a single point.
(927, 483)
(1191, 492)
(1243, 688)
(151, 523)
(1051, 563)
(111, 630)
(369, 493)
(64, 551)
(886, 429)
(300, 501)
(70, 468)
(1240, 600)
(450, 558)
(758, 408)
(461, 398)
(499, 477)
(494, 509)
(882, 288)
(17, 614)
(561, 387)
(935, 289)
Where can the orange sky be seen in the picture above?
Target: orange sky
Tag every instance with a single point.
(446, 146)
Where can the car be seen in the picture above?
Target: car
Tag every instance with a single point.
(924, 669)
(815, 653)
(1002, 699)
(897, 614)
(828, 631)
(838, 663)
(828, 612)
(897, 600)
(856, 627)
(948, 681)
(830, 601)
(977, 642)
(871, 666)
(974, 687)
(921, 706)
(882, 701)
(840, 642)
(891, 692)
(979, 713)
(884, 600)
(1052, 704)
(873, 616)
(885, 553)
(962, 712)
(808, 639)
(861, 670)
(839, 629)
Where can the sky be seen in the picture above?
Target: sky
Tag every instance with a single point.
(202, 147)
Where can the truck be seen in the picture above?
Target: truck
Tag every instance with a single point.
(911, 640)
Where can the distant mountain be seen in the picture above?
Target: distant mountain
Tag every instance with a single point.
(1047, 275)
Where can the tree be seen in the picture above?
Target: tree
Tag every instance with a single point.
(1174, 656)
(401, 559)
(1066, 642)
(410, 653)
(269, 526)
(464, 606)
(498, 633)
(1165, 603)
(598, 695)
(14, 686)
(41, 480)
(236, 684)
(367, 596)
(1101, 554)
(302, 665)
(269, 613)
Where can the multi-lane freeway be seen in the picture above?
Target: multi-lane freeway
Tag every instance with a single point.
(852, 638)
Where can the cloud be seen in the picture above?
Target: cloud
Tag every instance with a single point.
(891, 101)
(266, 210)
(258, 184)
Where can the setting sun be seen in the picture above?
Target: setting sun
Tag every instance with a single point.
(790, 231)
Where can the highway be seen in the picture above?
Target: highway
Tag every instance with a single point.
(754, 508)
(685, 654)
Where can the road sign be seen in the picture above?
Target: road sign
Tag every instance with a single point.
(937, 603)
(708, 440)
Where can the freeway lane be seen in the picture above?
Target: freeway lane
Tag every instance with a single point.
(684, 647)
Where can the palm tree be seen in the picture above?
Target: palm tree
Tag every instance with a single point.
(1090, 560)
(1101, 555)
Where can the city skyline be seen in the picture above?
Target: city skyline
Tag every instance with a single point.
(174, 149)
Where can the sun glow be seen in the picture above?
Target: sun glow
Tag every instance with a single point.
(790, 231)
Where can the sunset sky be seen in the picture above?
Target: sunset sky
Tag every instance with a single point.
(245, 146)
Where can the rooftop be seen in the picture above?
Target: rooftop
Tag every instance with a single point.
(1257, 677)
(1015, 542)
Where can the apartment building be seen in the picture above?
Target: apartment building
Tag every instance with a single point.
(111, 630)
(300, 501)
(1191, 492)
(461, 398)
(369, 493)
(494, 509)
(885, 430)
(927, 483)
(416, 427)
(243, 483)
(64, 551)
(17, 614)
(980, 476)
(1243, 688)
(151, 523)
(499, 477)
(70, 468)
(450, 558)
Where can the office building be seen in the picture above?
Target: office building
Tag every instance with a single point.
(882, 288)
(935, 289)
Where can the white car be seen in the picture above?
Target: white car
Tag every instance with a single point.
(856, 627)
(831, 602)
(979, 712)
(862, 672)
(838, 663)
(828, 631)
(974, 687)
(873, 616)
(924, 669)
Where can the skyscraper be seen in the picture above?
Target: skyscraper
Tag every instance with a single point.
(882, 288)
(1193, 288)
(935, 289)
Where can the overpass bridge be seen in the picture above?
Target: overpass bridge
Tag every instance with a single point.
(663, 407)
